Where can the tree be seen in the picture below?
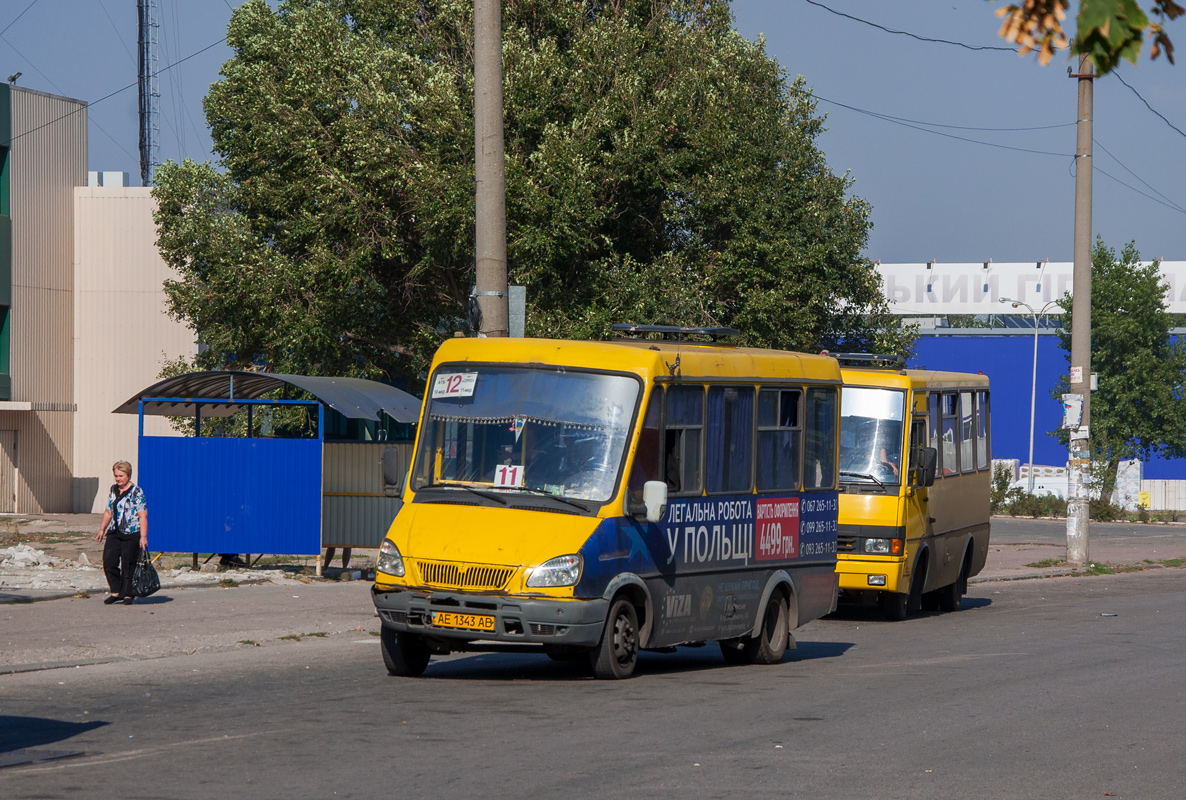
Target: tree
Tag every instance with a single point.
(660, 168)
(1106, 30)
(1138, 409)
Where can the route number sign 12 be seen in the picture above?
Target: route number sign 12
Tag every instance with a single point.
(459, 384)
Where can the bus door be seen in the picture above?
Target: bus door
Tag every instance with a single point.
(919, 523)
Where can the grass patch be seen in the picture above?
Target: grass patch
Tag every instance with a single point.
(250, 642)
(1047, 562)
(228, 583)
(1100, 569)
(320, 634)
(1173, 562)
(291, 636)
(374, 633)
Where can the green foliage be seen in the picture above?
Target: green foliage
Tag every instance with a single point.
(1105, 30)
(660, 168)
(1137, 411)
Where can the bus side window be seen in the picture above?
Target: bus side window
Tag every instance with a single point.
(730, 439)
(682, 435)
(967, 432)
(819, 458)
(647, 455)
(936, 426)
(949, 455)
(982, 456)
(780, 439)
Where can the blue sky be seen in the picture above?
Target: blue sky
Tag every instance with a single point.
(960, 196)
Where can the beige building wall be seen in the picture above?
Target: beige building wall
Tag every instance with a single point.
(122, 333)
(48, 159)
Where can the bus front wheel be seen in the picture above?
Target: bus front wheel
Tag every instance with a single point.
(405, 654)
(616, 654)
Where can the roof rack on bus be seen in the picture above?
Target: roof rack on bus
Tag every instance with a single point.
(871, 360)
(674, 332)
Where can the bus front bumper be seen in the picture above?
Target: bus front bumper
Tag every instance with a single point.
(459, 617)
(867, 574)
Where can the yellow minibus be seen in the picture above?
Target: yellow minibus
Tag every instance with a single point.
(590, 500)
(915, 475)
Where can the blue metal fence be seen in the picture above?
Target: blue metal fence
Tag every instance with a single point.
(215, 495)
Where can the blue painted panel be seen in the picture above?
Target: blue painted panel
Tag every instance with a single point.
(211, 495)
(1008, 363)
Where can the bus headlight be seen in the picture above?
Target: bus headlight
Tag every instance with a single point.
(877, 546)
(390, 561)
(559, 571)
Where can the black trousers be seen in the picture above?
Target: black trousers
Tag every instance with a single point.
(119, 561)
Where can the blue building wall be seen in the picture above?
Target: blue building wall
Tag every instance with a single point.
(1008, 363)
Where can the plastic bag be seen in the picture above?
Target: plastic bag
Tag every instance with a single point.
(144, 578)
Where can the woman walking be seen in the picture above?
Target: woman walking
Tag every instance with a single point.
(125, 524)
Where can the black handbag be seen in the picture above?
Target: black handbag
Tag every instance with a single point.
(144, 578)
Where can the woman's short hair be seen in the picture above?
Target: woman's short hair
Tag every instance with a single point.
(123, 466)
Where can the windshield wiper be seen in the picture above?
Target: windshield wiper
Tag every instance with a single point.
(863, 475)
(542, 493)
(470, 489)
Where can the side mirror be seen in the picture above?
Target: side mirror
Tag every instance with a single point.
(654, 502)
(654, 498)
(927, 465)
(393, 474)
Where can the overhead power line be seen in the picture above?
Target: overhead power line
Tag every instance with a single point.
(110, 95)
(908, 33)
(920, 126)
(1146, 102)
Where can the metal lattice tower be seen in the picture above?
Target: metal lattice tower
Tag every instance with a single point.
(150, 92)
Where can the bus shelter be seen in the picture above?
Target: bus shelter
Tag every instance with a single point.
(264, 494)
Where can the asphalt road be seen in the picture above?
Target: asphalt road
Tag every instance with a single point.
(1058, 688)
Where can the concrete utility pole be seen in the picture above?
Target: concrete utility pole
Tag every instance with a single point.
(490, 235)
(1079, 460)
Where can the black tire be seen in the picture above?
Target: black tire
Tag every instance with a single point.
(950, 597)
(405, 654)
(616, 655)
(771, 642)
(893, 606)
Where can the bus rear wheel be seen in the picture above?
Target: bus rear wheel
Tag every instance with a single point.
(616, 655)
(769, 646)
(405, 654)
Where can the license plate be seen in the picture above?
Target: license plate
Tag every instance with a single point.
(470, 622)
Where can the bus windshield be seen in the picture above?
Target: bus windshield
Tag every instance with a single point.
(539, 430)
(871, 435)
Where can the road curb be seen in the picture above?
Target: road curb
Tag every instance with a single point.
(7, 598)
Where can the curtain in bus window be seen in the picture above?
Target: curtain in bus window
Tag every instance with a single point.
(936, 426)
(729, 438)
(949, 405)
(820, 451)
(982, 455)
(967, 432)
(778, 440)
(681, 444)
(646, 455)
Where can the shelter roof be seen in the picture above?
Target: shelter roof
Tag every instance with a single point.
(220, 394)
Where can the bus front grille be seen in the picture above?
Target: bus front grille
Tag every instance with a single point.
(846, 544)
(453, 575)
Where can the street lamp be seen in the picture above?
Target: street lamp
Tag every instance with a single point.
(1034, 382)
